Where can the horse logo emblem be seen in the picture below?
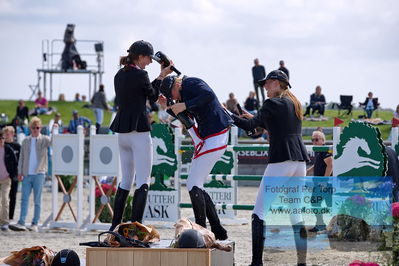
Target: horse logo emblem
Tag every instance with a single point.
(360, 152)
(164, 156)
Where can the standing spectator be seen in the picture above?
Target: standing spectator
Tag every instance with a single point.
(258, 73)
(284, 69)
(41, 105)
(77, 97)
(99, 104)
(322, 167)
(76, 121)
(56, 120)
(32, 167)
(231, 103)
(317, 102)
(8, 171)
(251, 104)
(370, 104)
(396, 113)
(9, 134)
(22, 114)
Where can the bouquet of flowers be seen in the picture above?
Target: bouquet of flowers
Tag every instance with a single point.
(105, 188)
(36, 256)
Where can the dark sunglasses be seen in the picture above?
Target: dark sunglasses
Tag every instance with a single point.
(35, 128)
(316, 139)
(2, 138)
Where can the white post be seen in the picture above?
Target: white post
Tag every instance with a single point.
(54, 184)
(234, 135)
(91, 182)
(234, 142)
(80, 177)
(394, 136)
(336, 136)
(178, 138)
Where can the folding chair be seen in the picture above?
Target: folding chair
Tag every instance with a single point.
(346, 104)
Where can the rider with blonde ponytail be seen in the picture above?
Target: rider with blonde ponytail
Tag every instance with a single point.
(281, 116)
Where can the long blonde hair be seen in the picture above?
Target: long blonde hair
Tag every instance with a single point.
(287, 93)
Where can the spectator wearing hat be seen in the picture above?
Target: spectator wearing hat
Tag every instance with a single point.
(210, 136)
(133, 88)
(32, 167)
(8, 172)
(99, 104)
(9, 134)
(317, 102)
(281, 116)
(258, 73)
(76, 121)
(284, 69)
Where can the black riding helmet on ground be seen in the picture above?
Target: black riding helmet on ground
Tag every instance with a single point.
(66, 257)
(191, 238)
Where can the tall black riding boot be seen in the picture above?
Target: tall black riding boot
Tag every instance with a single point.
(301, 242)
(211, 213)
(258, 240)
(119, 207)
(199, 206)
(97, 127)
(139, 202)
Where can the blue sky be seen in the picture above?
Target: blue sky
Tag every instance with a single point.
(347, 47)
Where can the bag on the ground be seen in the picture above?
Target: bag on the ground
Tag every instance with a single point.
(37, 255)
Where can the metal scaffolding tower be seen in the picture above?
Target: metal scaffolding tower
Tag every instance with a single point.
(51, 65)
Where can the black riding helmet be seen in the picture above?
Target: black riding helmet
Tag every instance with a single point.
(141, 48)
(66, 257)
(191, 238)
(275, 74)
(167, 85)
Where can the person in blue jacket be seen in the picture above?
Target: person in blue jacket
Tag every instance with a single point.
(210, 136)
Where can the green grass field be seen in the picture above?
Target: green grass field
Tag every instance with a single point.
(65, 109)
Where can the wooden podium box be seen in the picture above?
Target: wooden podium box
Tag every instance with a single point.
(159, 255)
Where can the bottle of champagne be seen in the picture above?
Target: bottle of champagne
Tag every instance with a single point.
(182, 116)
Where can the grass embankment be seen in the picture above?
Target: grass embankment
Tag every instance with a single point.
(65, 109)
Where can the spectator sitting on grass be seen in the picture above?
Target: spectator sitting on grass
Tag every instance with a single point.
(41, 105)
(78, 121)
